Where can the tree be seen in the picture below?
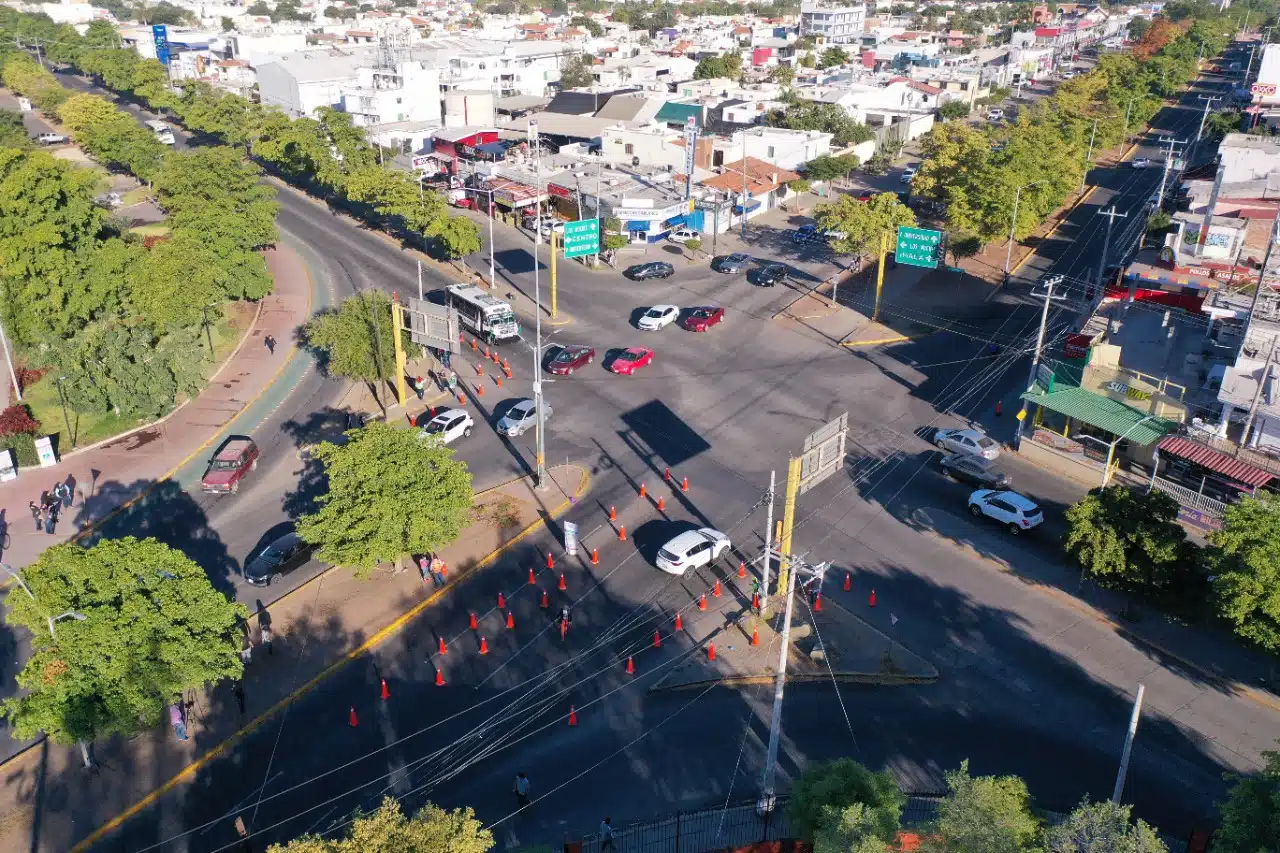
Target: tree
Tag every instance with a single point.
(1221, 123)
(391, 493)
(589, 24)
(807, 61)
(983, 815)
(1251, 813)
(712, 67)
(953, 110)
(832, 57)
(355, 340)
(218, 193)
(164, 13)
(577, 73)
(826, 167)
(1104, 826)
(153, 627)
(259, 10)
(13, 133)
(862, 224)
(1245, 556)
(457, 236)
(693, 245)
(340, 13)
(1138, 28)
(822, 793)
(829, 118)
(851, 830)
(1128, 539)
(783, 74)
(388, 829)
(227, 24)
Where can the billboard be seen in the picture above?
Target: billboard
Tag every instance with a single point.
(160, 33)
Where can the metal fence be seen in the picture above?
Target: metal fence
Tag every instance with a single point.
(1190, 498)
(714, 829)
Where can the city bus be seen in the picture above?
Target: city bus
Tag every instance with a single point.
(163, 133)
(488, 318)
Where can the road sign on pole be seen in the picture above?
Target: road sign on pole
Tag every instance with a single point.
(431, 325)
(919, 247)
(823, 452)
(581, 238)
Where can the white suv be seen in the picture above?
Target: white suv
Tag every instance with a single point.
(449, 426)
(1015, 511)
(691, 550)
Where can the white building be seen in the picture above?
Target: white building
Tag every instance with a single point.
(836, 23)
(409, 92)
(778, 146)
(1248, 158)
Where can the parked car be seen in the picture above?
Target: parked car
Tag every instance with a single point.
(1068, 74)
(1141, 163)
(658, 317)
(683, 235)
(522, 417)
(908, 174)
(807, 234)
(50, 138)
(731, 263)
(995, 114)
(701, 319)
(975, 471)
(570, 358)
(449, 426)
(771, 274)
(280, 557)
(1017, 512)
(866, 195)
(236, 457)
(109, 200)
(630, 360)
(653, 269)
(967, 441)
(691, 550)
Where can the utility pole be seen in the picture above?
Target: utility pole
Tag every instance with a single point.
(1128, 746)
(1257, 392)
(1112, 216)
(884, 254)
(1207, 101)
(1050, 283)
(744, 185)
(1262, 273)
(775, 719)
(1088, 157)
(1164, 175)
(768, 543)
(540, 470)
(420, 296)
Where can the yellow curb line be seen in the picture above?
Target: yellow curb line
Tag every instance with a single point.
(293, 350)
(882, 679)
(894, 340)
(374, 640)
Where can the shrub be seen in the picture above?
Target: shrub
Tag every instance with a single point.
(24, 448)
(18, 420)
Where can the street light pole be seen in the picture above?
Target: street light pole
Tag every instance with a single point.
(1008, 255)
(1112, 216)
(1128, 745)
(1049, 283)
(540, 471)
(65, 419)
(779, 684)
(1088, 157)
(768, 543)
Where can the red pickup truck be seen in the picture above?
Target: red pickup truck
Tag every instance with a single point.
(234, 459)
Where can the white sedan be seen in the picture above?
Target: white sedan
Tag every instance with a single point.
(449, 426)
(967, 441)
(658, 317)
(1141, 163)
(691, 550)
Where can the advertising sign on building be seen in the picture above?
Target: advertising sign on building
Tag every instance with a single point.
(160, 33)
(919, 247)
(1266, 90)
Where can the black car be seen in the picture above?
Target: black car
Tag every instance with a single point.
(976, 471)
(771, 274)
(653, 269)
(730, 263)
(280, 557)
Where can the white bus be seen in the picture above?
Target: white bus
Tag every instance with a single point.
(488, 318)
(163, 134)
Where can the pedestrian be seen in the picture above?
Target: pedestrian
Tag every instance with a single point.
(51, 518)
(270, 342)
(243, 832)
(420, 386)
(179, 724)
(62, 492)
(437, 570)
(606, 834)
(424, 567)
(36, 515)
(266, 637)
(566, 616)
(446, 358)
(453, 382)
(246, 651)
(522, 790)
(239, 691)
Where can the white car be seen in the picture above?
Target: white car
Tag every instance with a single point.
(995, 115)
(1068, 74)
(1141, 163)
(692, 549)
(51, 139)
(908, 174)
(521, 417)
(1017, 512)
(967, 441)
(449, 426)
(683, 235)
(658, 317)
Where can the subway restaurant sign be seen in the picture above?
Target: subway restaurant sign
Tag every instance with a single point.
(919, 247)
(581, 238)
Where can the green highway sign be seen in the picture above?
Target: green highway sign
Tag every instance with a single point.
(581, 238)
(919, 247)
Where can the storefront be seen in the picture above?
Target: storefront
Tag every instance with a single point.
(652, 224)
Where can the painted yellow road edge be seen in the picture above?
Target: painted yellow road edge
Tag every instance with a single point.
(293, 350)
(374, 640)
(896, 339)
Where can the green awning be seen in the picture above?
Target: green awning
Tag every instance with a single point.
(674, 112)
(1102, 412)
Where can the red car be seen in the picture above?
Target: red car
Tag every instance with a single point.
(629, 361)
(570, 358)
(702, 319)
(233, 460)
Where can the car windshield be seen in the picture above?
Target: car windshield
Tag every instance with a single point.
(566, 355)
(985, 442)
(1030, 510)
(654, 312)
(225, 464)
(271, 556)
(668, 556)
(737, 258)
(521, 411)
(629, 356)
(434, 427)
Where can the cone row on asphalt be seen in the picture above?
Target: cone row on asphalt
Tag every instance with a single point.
(871, 599)
(471, 623)
(711, 652)
(715, 590)
(622, 533)
(684, 484)
(631, 667)
(657, 640)
(742, 568)
(848, 582)
(484, 646)
(662, 505)
(532, 578)
(595, 557)
(702, 601)
(642, 490)
(511, 619)
(551, 563)
(613, 513)
(679, 623)
(443, 649)
(755, 636)
(817, 604)
(573, 716)
(545, 603)
(439, 678)
(562, 586)
(502, 602)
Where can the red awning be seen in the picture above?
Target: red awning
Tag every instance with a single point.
(1241, 472)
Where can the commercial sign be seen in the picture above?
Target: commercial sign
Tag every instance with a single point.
(426, 164)
(1266, 90)
(571, 538)
(654, 213)
(160, 33)
(44, 450)
(919, 247)
(690, 154)
(581, 238)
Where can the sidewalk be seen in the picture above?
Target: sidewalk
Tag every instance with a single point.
(317, 629)
(117, 472)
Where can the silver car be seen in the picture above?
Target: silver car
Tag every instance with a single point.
(967, 441)
(521, 417)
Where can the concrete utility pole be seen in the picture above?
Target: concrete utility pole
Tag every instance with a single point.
(1164, 175)
(1088, 157)
(540, 469)
(1257, 393)
(1050, 283)
(1112, 216)
(744, 185)
(768, 543)
(1262, 273)
(1128, 746)
(1203, 116)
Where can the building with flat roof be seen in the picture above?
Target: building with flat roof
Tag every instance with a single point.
(838, 23)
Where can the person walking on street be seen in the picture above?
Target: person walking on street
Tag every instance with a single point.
(522, 790)
(424, 568)
(238, 690)
(420, 386)
(246, 651)
(606, 834)
(270, 343)
(176, 718)
(51, 518)
(36, 515)
(266, 637)
(453, 382)
(62, 492)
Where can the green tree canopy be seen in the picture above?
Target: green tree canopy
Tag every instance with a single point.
(829, 118)
(1245, 556)
(849, 830)
(13, 133)
(577, 73)
(823, 792)
(954, 110)
(827, 167)
(1105, 826)
(727, 66)
(863, 223)
(588, 24)
(1251, 812)
(153, 626)
(391, 493)
(218, 193)
(457, 236)
(832, 57)
(356, 338)
(986, 814)
(388, 830)
(783, 74)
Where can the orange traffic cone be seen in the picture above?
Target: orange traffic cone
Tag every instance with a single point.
(506, 370)
(511, 619)
(474, 346)
(486, 352)
(532, 580)
(631, 667)
(472, 622)
(439, 678)
(462, 399)
(871, 599)
(657, 640)
(479, 390)
(484, 646)
(502, 602)
(711, 652)
(573, 716)
(622, 533)
(742, 568)
(551, 563)
(479, 370)
(386, 694)
(443, 649)
(755, 636)
(848, 582)
(684, 484)
(595, 557)
(702, 602)
(545, 603)
(563, 586)
(999, 408)
(679, 623)
(506, 365)
(642, 492)
(662, 505)
(817, 604)
(715, 590)
(755, 600)
(497, 380)
(613, 513)
(352, 720)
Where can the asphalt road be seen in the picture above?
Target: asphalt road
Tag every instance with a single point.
(721, 408)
